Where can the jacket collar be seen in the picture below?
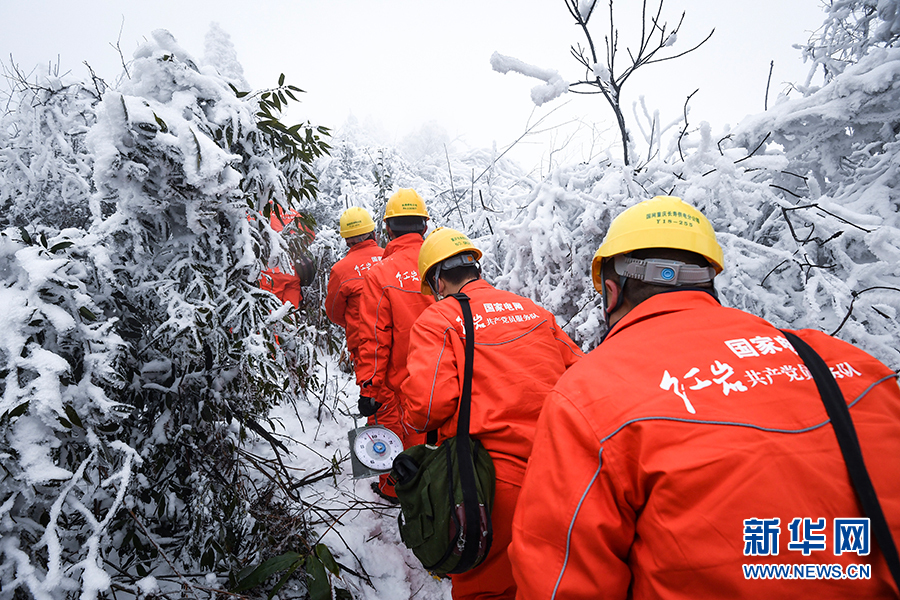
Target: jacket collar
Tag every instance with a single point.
(473, 286)
(404, 242)
(665, 303)
(366, 245)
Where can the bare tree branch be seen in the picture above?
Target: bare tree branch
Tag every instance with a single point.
(685, 128)
(655, 38)
(118, 48)
(768, 83)
(854, 295)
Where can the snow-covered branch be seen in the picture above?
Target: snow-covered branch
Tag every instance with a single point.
(554, 86)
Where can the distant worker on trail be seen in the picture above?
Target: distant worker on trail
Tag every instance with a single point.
(690, 455)
(520, 353)
(390, 304)
(288, 286)
(345, 283)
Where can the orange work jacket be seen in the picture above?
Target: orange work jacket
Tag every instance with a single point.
(391, 302)
(345, 286)
(691, 444)
(520, 353)
(284, 285)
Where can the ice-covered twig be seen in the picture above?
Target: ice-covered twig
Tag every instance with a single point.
(854, 295)
(94, 578)
(554, 87)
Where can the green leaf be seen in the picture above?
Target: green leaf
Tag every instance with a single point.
(73, 416)
(87, 314)
(197, 144)
(317, 580)
(243, 573)
(19, 410)
(281, 80)
(260, 574)
(283, 580)
(327, 559)
(61, 246)
(124, 107)
(208, 559)
(162, 124)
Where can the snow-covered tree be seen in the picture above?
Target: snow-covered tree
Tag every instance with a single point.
(45, 167)
(802, 197)
(850, 30)
(65, 471)
(837, 210)
(142, 353)
(220, 53)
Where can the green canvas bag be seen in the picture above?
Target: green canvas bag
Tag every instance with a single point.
(446, 492)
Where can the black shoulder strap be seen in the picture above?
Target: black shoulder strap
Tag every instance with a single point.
(464, 449)
(837, 410)
(462, 426)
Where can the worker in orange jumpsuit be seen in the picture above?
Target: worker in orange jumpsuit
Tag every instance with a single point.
(520, 353)
(345, 288)
(345, 283)
(390, 304)
(693, 443)
(287, 286)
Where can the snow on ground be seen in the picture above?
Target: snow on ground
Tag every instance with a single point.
(358, 526)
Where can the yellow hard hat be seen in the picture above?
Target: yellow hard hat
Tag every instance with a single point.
(662, 222)
(405, 203)
(440, 245)
(356, 221)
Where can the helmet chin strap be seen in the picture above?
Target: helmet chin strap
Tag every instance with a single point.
(436, 283)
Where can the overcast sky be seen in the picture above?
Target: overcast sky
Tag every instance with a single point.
(403, 63)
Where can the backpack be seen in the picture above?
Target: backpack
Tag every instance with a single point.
(446, 492)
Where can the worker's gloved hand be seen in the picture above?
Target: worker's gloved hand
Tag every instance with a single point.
(368, 406)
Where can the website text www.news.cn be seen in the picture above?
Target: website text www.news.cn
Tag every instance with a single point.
(784, 571)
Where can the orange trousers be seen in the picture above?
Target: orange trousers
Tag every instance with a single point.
(493, 578)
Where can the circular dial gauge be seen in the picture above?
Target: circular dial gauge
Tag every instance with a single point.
(376, 447)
